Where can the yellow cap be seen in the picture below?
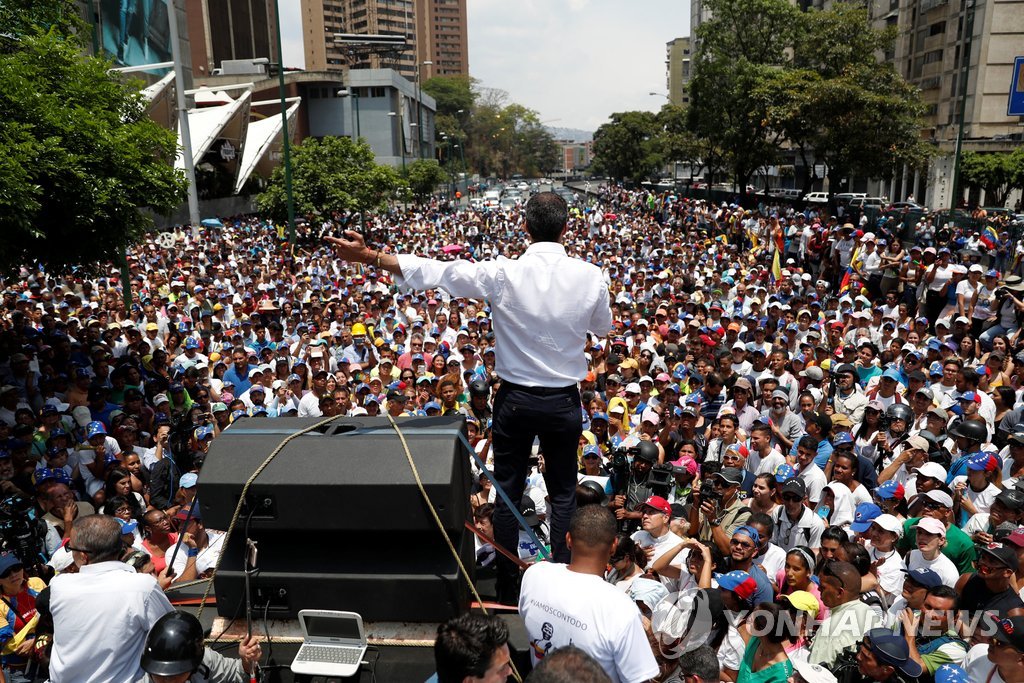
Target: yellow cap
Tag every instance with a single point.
(803, 601)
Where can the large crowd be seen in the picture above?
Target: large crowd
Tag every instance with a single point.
(793, 416)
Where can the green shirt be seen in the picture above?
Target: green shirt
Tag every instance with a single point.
(959, 546)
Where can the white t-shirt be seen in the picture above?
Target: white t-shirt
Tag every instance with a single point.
(87, 456)
(982, 500)
(773, 560)
(661, 545)
(941, 565)
(815, 481)
(561, 607)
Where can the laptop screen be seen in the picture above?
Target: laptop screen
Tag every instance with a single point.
(332, 627)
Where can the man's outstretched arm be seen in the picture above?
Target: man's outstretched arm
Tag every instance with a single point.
(353, 248)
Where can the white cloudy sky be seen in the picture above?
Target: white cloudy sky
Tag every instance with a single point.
(576, 61)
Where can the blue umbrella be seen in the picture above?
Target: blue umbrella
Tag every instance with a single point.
(211, 223)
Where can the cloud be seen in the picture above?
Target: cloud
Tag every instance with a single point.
(574, 61)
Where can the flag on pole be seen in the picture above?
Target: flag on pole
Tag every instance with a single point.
(776, 274)
(844, 286)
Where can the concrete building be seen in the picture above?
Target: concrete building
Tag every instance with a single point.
(435, 30)
(443, 37)
(677, 68)
(930, 54)
(575, 154)
(225, 30)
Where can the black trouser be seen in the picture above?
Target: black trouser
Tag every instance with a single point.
(553, 416)
(934, 302)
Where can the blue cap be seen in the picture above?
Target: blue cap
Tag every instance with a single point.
(740, 582)
(891, 373)
(191, 343)
(55, 474)
(935, 369)
(293, 378)
(237, 414)
(951, 673)
(679, 372)
(188, 480)
(203, 432)
(892, 649)
(57, 431)
(432, 405)
(591, 449)
(841, 439)
(784, 473)
(259, 410)
(9, 560)
(865, 514)
(599, 416)
(889, 489)
(127, 526)
(94, 429)
(176, 387)
(749, 531)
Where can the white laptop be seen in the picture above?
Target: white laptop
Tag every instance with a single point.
(333, 643)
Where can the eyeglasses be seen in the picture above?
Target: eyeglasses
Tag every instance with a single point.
(793, 499)
(77, 550)
(741, 544)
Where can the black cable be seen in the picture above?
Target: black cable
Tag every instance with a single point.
(266, 632)
(373, 664)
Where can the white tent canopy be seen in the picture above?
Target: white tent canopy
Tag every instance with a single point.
(260, 138)
(207, 124)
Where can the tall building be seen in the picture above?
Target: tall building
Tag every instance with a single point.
(443, 37)
(677, 68)
(225, 30)
(930, 53)
(435, 30)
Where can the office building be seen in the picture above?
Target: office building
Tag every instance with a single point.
(443, 37)
(677, 68)
(226, 30)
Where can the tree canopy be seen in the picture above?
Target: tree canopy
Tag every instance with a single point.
(80, 153)
(423, 176)
(331, 175)
(996, 173)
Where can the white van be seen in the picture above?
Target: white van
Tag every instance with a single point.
(816, 197)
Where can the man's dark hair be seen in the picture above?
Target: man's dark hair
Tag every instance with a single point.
(947, 592)
(714, 380)
(764, 520)
(731, 417)
(466, 645)
(809, 442)
(592, 525)
(701, 662)
(546, 216)
(99, 537)
(568, 664)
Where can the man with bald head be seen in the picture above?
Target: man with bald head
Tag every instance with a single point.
(849, 618)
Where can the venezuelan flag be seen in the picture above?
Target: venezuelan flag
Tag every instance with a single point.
(776, 274)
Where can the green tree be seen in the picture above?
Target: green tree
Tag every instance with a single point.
(423, 176)
(331, 175)
(842, 107)
(675, 143)
(997, 173)
(80, 154)
(455, 95)
(628, 146)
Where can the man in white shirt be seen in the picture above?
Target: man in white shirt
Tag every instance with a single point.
(795, 524)
(542, 304)
(105, 596)
(573, 604)
(654, 535)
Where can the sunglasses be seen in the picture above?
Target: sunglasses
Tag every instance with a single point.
(793, 499)
(741, 544)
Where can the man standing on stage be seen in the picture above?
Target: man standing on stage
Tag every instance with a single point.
(543, 304)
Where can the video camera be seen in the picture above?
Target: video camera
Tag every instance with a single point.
(618, 467)
(21, 532)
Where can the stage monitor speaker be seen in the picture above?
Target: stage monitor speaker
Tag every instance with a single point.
(382, 576)
(350, 475)
(338, 518)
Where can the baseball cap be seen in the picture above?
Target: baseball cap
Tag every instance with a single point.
(890, 489)
(784, 473)
(749, 531)
(889, 523)
(802, 600)
(932, 470)
(970, 397)
(931, 525)
(659, 504)
(94, 429)
(204, 432)
(795, 486)
(940, 497)
(865, 514)
(983, 462)
(10, 560)
(1011, 632)
(811, 673)
(1003, 554)
(739, 582)
(892, 649)
(1013, 500)
(188, 480)
(650, 415)
(923, 576)
(731, 475)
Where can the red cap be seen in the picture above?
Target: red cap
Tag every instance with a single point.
(659, 504)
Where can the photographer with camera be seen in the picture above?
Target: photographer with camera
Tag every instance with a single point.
(717, 510)
(1007, 307)
(632, 483)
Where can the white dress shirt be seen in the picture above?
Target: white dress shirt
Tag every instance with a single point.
(542, 303)
(101, 617)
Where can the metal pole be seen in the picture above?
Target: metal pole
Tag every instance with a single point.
(419, 115)
(964, 73)
(358, 129)
(186, 134)
(284, 130)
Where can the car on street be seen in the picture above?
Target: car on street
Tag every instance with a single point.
(816, 197)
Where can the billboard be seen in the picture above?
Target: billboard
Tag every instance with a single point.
(135, 32)
(1015, 107)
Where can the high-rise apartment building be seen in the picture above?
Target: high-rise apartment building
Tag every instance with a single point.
(224, 30)
(435, 31)
(677, 68)
(443, 37)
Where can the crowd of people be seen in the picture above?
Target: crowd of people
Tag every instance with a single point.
(811, 429)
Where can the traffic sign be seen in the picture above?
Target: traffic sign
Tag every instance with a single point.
(1015, 106)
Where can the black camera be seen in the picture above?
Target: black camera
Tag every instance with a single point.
(619, 467)
(21, 532)
(661, 480)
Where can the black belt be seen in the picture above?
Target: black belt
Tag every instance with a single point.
(539, 391)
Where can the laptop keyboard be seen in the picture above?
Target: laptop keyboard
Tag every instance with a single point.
(329, 654)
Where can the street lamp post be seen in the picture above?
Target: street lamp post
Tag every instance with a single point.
(965, 69)
(284, 130)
